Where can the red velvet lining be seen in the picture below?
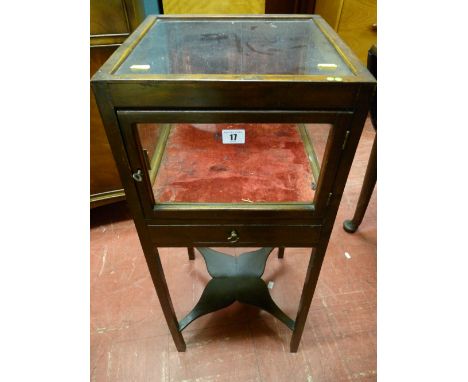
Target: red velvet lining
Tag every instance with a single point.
(271, 166)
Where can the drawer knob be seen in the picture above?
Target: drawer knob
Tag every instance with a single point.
(234, 237)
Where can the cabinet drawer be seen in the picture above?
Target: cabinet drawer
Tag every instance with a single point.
(247, 235)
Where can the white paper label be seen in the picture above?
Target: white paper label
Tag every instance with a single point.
(140, 67)
(234, 136)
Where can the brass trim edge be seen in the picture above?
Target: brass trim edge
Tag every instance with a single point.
(309, 148)
(107, 197)
(159, 152)
(337, 48)
(315, 78)
(131, 46)
(97, 36)
(265, 206)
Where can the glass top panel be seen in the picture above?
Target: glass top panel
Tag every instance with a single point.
(256, 46)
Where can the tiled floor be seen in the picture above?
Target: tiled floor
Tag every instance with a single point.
(130, 340)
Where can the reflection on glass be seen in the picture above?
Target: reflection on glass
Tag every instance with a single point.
(317, 135)
(257, 46)
(193, 163)
(152, 139)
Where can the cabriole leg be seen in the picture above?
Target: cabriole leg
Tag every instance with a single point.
(366, 192)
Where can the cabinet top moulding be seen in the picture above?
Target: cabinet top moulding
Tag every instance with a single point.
(108, 71)
(263, 75)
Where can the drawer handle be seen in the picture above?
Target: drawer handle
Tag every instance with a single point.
(137, 176)
(234, 237)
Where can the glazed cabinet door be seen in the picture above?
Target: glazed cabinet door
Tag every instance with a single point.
(219, 166)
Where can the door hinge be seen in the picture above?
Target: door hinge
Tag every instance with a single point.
(345, 140)
(329, 198)
(147, 161)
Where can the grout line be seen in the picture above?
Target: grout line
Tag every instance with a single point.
(252, 338)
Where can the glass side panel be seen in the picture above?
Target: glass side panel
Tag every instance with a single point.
(318, 135)
(234, 47)
(149, 137)
(208, 163)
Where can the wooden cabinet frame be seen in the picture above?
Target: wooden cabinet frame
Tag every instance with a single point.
(125, 100)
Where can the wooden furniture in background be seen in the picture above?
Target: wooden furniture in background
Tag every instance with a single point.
(238, 6)
(370, 179)
(213, 7)
(112, 21)
(286, 7)
(354, 20)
